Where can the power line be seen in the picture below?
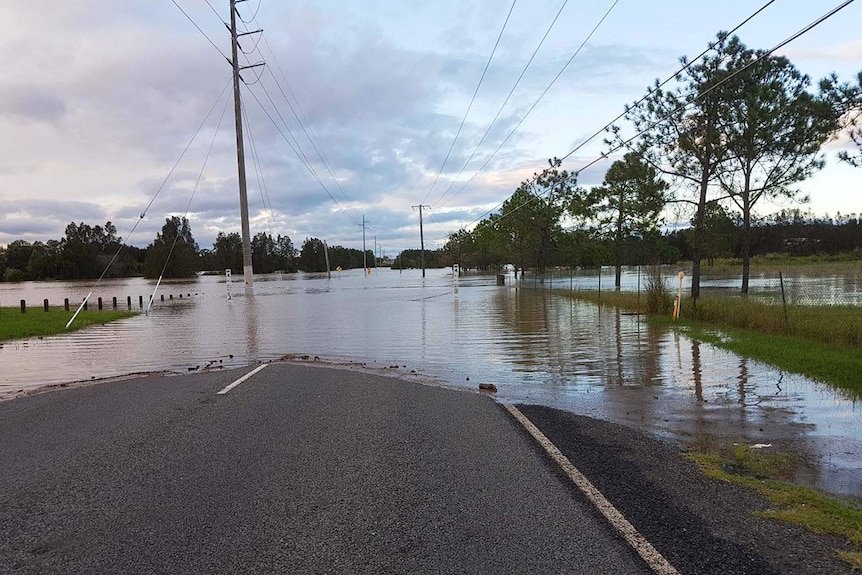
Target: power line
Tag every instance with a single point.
(668, 79)
(188, 206)
(539, 99)
(473, 99)
(149, 204)
(261, 180)
(200, 30)
(298, 116)
(300, 155)
(506, 101)
(764, 55)
(700, 95)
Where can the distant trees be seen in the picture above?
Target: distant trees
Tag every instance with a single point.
(83, 253)
(312, 257)
(226, 253)
(627, 207)
(270, 254)
(529, 221)
(174, 252)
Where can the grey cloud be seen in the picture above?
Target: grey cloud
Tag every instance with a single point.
(31, 103)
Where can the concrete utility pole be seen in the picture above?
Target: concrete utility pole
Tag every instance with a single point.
(247, 271)
(421, 236)
(364, 255)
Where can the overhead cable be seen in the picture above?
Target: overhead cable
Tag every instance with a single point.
(472, 99)
(539, 99)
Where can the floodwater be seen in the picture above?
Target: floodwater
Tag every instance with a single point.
(535, 345)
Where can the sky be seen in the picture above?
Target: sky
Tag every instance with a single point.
(354, 112)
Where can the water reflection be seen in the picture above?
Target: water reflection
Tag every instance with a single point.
(534, 344)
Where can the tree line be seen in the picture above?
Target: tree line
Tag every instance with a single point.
(86, 252)
(739, 127)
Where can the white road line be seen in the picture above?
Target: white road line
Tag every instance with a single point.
(643, 547)
(242, 379)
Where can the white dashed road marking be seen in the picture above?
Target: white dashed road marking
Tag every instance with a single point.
(242, 379)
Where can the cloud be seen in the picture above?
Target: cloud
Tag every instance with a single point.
(849, 52)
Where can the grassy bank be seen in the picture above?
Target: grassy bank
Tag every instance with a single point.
(37, 322)
(823, 343)
(804, 506)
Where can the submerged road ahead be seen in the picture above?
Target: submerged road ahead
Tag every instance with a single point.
(299, 469)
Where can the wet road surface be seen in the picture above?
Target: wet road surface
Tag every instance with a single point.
(297, 470)
(301, 469)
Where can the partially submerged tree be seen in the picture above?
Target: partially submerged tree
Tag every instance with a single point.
(773, 132)
(628, 206)
(530, 218)
(174, 252)
(682, 135)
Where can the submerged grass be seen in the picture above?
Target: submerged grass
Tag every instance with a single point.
(37, 322)
(822, 343)
(817, 512)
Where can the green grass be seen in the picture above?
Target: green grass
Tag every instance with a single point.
(37, 322)
(847, 260)
(822, 343)
(804, 506)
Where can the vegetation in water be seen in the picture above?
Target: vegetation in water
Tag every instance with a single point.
(822, 343)
(37, 322)
(762, 470)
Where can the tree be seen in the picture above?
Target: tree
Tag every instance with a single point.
(628, 206)
(227, 251)
(312, 257)
(773, 132)
(286, 253)
(459, 248)
(530, 218)
(173, 253)
(682, 137)
(720, 232)
(846, 101)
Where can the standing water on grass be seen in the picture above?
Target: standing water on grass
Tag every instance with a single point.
(535, 345)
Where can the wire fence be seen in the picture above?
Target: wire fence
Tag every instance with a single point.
(822, 302)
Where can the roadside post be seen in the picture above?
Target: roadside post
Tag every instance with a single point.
(677, 304)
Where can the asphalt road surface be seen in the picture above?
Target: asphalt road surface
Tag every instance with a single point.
(302, 469)
(296, 470)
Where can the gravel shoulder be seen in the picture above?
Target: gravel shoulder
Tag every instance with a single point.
(699, 524)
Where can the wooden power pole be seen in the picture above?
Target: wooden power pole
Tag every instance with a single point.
(422, 236)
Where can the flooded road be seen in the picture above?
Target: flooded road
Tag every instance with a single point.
(536, 345)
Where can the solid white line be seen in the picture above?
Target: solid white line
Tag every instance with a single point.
(638, 542)
(242, 379)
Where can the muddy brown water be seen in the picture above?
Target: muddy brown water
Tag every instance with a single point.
(533, 344)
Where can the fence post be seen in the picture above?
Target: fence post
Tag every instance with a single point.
(141, 301)
(100, 304)
(783, 300)
(129, 301)
(114, 302)
(23, 306)
(45, 304)
(66, 304)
